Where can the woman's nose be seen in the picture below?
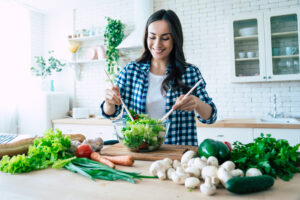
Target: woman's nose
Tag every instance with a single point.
(157, 43)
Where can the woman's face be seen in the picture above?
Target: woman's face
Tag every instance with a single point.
(160, 41)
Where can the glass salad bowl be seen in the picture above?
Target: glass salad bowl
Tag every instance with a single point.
(141, 135)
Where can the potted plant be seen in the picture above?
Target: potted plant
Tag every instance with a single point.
(45, 68)
(113, 36)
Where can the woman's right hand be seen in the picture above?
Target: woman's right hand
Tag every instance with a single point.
(112, 96)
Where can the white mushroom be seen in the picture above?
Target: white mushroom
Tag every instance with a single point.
(212, 161)
(170, 172)
(169, 161)
(224, 175)
(210, 171)
(193, 171)
(253, 172)
(199, 163)
(228, 165)
(203, 158)
(176, 163)
(237, 173)
(215, 180)
(187, 156)
(184, 165)
(208, 188)
(191, 182)
(159, 167)
(179, 176)
(191, 162)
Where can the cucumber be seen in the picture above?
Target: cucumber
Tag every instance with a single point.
(244, 185)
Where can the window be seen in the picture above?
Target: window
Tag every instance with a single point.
(14, 62)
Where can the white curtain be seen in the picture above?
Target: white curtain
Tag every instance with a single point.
(14, 62)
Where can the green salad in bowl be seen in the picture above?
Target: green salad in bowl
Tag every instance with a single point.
(142, 134)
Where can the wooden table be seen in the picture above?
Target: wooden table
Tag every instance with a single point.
(65, 185)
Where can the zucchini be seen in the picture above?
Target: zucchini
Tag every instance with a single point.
(244, 185)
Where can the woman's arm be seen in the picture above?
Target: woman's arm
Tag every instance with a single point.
(191, 103)
(199, 99)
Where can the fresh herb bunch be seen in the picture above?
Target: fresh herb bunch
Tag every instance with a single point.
(113, 36)
(95, 170)
(44, 152)
(273, 157)
(44, 68)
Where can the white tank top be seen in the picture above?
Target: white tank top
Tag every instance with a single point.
(155, 101)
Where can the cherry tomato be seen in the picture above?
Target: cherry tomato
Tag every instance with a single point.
(143, 146)
(84, 151)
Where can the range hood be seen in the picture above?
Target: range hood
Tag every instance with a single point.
(142, 10)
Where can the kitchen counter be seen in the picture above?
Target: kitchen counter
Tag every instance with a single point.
(62, 184)
(225, 123)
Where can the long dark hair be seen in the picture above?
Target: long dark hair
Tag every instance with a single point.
(176, 57)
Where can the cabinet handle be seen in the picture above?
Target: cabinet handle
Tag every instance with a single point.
(269, 77)
(264, 77)
(220, 135)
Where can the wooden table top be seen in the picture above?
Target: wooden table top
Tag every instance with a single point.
(62, 184)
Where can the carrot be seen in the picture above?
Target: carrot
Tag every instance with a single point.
(98, 158)
(121, 160)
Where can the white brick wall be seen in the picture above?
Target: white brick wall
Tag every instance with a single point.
(205, 27)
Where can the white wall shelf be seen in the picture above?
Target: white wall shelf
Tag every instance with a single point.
(86, 43)
(285, 56)
(77, 66)
(81, 62)
(87, 38)
(246, 59)
(244, 38)
(285, 34)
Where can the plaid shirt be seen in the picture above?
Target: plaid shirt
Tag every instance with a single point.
(133, 84)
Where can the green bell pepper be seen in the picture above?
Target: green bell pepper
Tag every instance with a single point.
(210, 147)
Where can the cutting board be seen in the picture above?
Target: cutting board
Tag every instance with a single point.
(171, 151)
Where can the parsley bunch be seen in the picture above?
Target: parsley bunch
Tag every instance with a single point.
(273, 157)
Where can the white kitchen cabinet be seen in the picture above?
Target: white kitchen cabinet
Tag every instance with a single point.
(247, 37)
(291, 135)
(89, 131)
(244, 135)
(265, 46)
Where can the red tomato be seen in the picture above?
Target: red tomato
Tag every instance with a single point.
(84, 151)
(143, 146)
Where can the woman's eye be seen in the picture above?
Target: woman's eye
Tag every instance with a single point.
(165, 39)
(152, 38)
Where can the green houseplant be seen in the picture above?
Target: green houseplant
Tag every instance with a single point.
(45, 68)
(113, 36)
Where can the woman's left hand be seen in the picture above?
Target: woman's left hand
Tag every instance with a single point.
(190, 103)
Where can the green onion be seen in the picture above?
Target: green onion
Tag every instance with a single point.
(95, 170)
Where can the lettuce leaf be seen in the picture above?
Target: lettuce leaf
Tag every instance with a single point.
(43, 153)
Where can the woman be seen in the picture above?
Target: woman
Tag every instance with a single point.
(158, 80)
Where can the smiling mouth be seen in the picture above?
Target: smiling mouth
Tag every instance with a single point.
(158, 51)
